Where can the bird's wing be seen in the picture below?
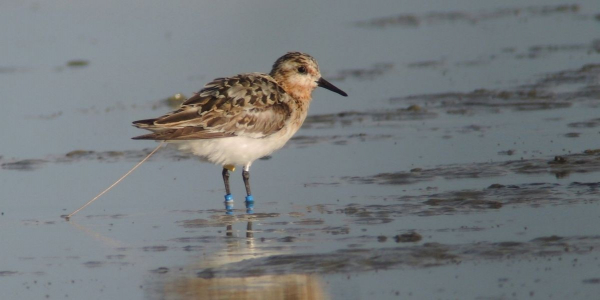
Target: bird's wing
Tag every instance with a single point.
(251, 105)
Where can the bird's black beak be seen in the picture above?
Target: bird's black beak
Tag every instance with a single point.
(325, 84)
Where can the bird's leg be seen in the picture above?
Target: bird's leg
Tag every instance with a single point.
(246, 176)
(249, 199)
(226, 181)
(228, 196)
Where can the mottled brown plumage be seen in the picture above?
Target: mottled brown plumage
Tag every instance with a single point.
(252, 105)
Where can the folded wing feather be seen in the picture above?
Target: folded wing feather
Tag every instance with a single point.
(251, 105)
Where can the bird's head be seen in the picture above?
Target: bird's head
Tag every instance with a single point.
(298, 73)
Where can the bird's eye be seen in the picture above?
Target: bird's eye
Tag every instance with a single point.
(302, 70)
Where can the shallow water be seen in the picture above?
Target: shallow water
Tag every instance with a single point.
(463, 165)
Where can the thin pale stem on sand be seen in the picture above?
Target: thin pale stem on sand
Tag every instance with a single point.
(67, 217)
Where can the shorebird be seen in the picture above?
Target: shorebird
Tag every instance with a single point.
(236, 120)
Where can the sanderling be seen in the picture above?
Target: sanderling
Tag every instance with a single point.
(236, 120)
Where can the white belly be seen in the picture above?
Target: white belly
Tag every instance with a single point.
(238, 151)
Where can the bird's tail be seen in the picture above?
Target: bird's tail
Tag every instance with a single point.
(144, 123)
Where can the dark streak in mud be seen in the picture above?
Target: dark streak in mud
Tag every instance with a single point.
(579, 85)
(161, 270)
(7, 273)
(49, 116)
(421, 256)
(155, 248)
(302, 140)
(365, 73)
(89, 155)
(508, 152)
(475, 170)
(493, 197)
(381, 118)
(7, 70)
(24, 165)
(589, 161)
(592, 281)
(586, 74)
(586, 124)
(171, 102)
(426, 64)
(94, 264)
(539, 51)
(78, 63)
(411, 237)
(435, 18)
(115, 216)
(490, 100)
(572, 135)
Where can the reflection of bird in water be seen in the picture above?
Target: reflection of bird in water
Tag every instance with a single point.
(249, 231)
(236, 120)
(268, 287)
